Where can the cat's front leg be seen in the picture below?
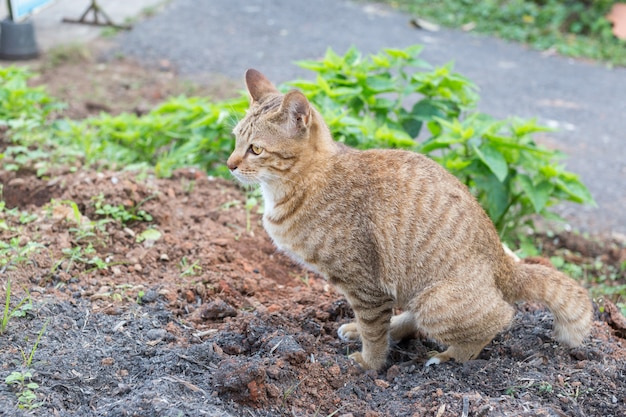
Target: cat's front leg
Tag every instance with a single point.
(373, 319)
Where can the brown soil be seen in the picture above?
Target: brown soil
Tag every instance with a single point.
(209, 319)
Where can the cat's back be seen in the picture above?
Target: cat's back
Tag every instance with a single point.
(388, 175)
(415, 210)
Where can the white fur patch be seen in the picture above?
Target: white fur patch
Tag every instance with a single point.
(348, 333)
(432, 361)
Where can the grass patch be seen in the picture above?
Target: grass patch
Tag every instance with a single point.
(576, 28)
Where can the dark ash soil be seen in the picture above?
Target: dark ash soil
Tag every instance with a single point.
(210, 320)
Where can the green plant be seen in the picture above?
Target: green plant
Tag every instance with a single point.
(179, 133)
(120, 213)
(545, 388)
(21, 105)
(28, 360)
(187, 269)
(289, 391)
(24, 110)
(383, 100)
(19, 310)
(25, 389)
(92, 231)
(148, 235)
(12, 253)
(140, 295)
(79, 254)
(67, 53)
(574, 27)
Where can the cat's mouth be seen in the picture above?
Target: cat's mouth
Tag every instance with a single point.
(244, 178)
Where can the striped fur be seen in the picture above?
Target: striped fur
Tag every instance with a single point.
(390, 229)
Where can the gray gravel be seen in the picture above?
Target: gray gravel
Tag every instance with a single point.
(207, 40)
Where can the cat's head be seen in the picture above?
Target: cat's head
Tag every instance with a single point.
(278, 135)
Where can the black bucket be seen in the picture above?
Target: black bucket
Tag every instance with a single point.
(17, 40)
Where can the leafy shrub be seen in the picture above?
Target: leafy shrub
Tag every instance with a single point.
(571, 27)
(24, 111)
(19, 103)
(380, 101)
(180, 132)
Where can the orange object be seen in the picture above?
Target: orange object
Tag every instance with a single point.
(617, 16)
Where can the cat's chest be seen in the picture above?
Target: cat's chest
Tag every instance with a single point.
(288, 238)
(296, 249)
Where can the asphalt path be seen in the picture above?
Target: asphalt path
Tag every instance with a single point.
(210, 40)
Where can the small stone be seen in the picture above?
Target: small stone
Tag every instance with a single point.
(274, 308)
(393, 372)
(137, 268)
(122, 389)
(116, 270)
(129, 232)
(104, 290)
(218, 309)
(381, 383)
(273, 372)
(243, 380)
(220, 242)
(200, 290)
(150, 296)
(107, 361)
(272, 391)
(164, 257)
(156, 334)
(288, 348)
(16, 182)
(334, 370)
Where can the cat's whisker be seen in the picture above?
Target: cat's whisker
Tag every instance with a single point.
(272, 176)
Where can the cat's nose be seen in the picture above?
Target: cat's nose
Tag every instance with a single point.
(232, 163)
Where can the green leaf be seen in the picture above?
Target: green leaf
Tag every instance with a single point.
(325, 87)
(332, 59)
(426, 110)
(494, 160)
(380, 84)
(150, 235)
(538, 194)
(493, 194)
(393, 138)
(398, 53)
(412, 126)
(457, 164)
(381, 61)
(576, 191)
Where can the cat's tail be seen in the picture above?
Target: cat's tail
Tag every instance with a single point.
(566, 299)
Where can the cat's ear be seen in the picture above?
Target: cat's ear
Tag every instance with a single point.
(258, 85)
(296, 112)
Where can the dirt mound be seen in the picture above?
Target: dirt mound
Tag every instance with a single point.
(165, 297)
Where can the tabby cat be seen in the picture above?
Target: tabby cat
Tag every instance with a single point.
(390, 229)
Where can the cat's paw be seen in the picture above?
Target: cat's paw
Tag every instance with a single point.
(358, 358)
(374, 363)
(432, 361)
(436, 358)
(348, 332)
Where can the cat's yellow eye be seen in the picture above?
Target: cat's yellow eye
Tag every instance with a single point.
(256, 149)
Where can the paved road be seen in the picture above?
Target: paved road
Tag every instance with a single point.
(586, 101)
